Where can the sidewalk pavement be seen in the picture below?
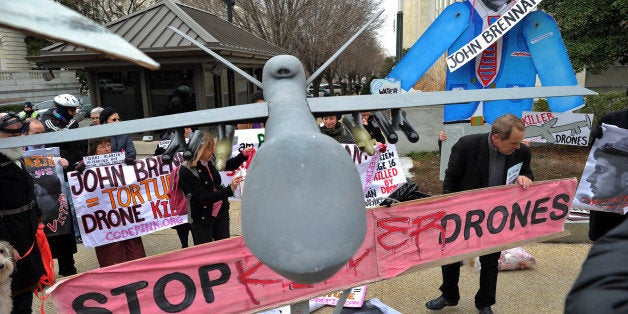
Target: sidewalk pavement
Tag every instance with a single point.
(539, 290)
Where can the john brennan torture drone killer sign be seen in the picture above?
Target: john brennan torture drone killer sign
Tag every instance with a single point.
(225, 277)
(118, 202)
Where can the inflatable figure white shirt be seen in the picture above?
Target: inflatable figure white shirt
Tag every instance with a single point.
(532, 46)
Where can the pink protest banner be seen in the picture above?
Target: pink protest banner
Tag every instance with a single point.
(225, 277)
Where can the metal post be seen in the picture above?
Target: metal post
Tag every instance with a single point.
(399, 51)
(230, 4)
(230, 74)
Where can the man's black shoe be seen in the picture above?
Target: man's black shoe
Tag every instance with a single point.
(486, 310)
(439, 303)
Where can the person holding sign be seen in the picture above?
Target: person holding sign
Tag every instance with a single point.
(19, 216)
(374, 131)
(478, 161)
(331, 126)
(119, 143)
(209, 204)
(602, 222)
(62, 117)
(116, 252)
(609, 180)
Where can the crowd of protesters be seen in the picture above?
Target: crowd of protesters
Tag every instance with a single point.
(475, 161)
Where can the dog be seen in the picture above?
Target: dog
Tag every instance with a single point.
(7, 266)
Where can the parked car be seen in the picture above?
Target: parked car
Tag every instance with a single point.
(322, 92)
(337, 89)
(109, 86)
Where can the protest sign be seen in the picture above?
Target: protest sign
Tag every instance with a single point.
(604, 183)
(224, 276)
(378, 183)
(355, 298)
(47, 175)
(491, 34)
(383, 179)
(242, 139)
(119, 202)
(104, 159)
(557, 128)
(385, 86)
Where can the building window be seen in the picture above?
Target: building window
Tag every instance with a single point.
(122, 91)
(172, 91)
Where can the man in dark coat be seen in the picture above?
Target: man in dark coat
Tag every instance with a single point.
(478, 161)
(601, 286)
(63, 117)
(19, 216)
(601, 222)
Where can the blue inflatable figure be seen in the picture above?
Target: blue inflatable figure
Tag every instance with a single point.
(531, 46)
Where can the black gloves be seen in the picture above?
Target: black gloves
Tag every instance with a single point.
(80, 166)
(129, 161)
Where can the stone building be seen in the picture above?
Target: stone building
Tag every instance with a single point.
(19, 81)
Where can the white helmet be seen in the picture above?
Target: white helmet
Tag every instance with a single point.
(66, 101)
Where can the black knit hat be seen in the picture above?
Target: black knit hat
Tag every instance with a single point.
(105, 114)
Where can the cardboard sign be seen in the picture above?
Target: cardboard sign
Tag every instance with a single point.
(405, 237)
(603, 183)
(119, 202)
(385, 86)
(557, 128)
(491, 35)
(43, 165)
(104, 159)
(385, 176)
(378, 183)
(355, 298)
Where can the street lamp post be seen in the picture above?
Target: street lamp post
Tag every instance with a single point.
(230, 4)
(399, 51)
(230, 74)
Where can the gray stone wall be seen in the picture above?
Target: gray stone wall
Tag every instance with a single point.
(31, 85)
(18, 82)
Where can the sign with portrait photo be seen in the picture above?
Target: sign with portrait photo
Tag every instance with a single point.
(604, 183)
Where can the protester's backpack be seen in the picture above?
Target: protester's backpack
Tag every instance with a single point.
(179, 203)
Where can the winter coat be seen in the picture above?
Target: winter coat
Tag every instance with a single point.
(202, 187)
(19, 228)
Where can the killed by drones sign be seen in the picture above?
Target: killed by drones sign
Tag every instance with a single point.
(557, 128)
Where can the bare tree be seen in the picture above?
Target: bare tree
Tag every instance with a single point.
(105, 11)
(309, 29)
(363, 59)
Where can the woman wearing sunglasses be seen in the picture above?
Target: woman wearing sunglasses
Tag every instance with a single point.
(119, 143)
